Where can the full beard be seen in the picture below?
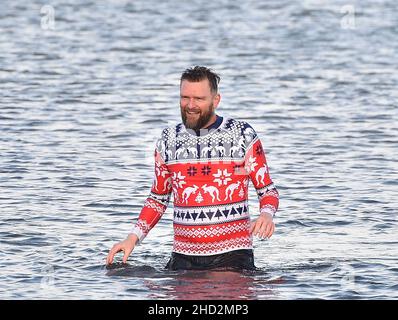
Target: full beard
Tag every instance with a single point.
(197, 122)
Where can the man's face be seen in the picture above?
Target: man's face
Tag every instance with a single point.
(197, 104)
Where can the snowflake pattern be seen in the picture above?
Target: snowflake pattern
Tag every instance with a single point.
(178, 180)
(192, 171)
(259, 150)
(206, 170)
(251, 164)
(222, 177)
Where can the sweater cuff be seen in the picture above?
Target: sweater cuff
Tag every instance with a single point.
(268, 209)
(141, 229)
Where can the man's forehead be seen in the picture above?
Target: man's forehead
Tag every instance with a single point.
(202, 85)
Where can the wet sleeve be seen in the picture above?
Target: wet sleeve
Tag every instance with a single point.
(258, 171)
(157, 201)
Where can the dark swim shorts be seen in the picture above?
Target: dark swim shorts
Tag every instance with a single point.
(238, 259)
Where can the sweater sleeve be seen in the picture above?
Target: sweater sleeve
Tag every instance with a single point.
(158, 199)
(257, 169)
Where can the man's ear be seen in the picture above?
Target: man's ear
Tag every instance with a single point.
(216, 100)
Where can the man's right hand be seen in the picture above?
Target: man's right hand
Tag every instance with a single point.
(126, 246)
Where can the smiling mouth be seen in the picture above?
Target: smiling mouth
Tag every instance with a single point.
(192, 112)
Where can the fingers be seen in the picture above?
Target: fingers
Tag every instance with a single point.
(269, 230)
(109, 258)
(115, 249)
(126, 255)
(256, 226)
(121, 246)
(264, 230)
(272, 230)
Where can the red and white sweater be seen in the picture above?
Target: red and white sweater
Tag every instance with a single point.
(209, 178)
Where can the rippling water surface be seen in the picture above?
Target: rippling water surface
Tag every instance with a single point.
(84, 99)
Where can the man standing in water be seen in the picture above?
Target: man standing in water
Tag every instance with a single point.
(206, 162)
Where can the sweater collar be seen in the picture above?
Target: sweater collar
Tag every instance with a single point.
(211, 127)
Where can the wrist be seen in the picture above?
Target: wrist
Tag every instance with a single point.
(267, 215)
(267, 212)
(132, 237)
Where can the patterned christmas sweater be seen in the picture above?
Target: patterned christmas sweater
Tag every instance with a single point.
(208, 176)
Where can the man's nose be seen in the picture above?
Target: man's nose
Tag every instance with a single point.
(191, 104)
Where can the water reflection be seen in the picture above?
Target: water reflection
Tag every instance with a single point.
(205, 285)
(201, 285)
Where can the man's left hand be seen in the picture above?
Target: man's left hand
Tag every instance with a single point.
(263, 227)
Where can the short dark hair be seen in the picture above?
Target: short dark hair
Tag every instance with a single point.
(198, 73)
